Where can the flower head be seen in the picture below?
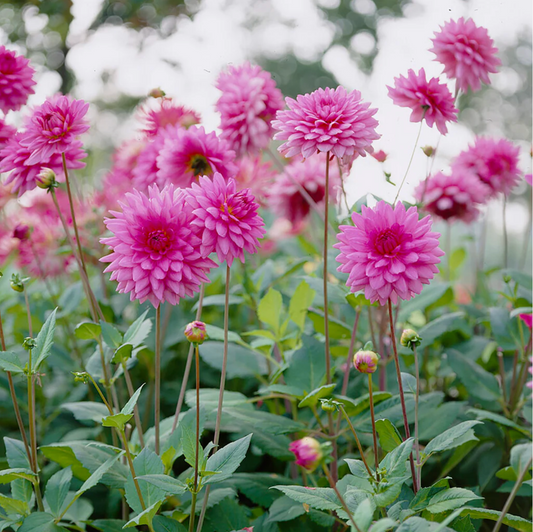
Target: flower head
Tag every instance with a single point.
(495, 162)
(6, 132)
(467, 53)
(326, 120)
(527, 319)
(155, 253)
(53, 128)
(167, 113)
(366, 361)
(248, 103)
(255, 174)
(388, 252)
(452, 197)
(308, 452)
(430, 100)
(226, 220)
(195, 332)
(16, 80)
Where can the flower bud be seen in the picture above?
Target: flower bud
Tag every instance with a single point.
(81, 376)
(429, 151)
(16, 283)
(380, 156)
(29, 343)
(21, 231)
(328, 405)
(195, 332)
(156, 93)
(46, 178)
(308, 452)
(366, 361)
(410, 338)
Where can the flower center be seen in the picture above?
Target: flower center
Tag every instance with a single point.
(159, 240)
(387, 242)
(199, 165)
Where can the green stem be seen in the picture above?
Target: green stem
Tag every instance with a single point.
(193, 510)
(136, 415)
(374, 433)
(197, 358)
(505, 238)
(132, 468)
(325, 281)
(417, 396)
(157, 413)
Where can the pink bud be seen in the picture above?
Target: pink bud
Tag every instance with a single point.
(195, 332)
(308, 452)
(527, 319)
(380, 156)
(366, 361)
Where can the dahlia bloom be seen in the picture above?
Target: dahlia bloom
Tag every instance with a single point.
(255, 174)
(430, 100)
(189, 153)
(495, 162)
(144, 173)
(452, 197)
(527, 319)
(249, 102)
(327, 120)
(115, 184)
(6, 132)
(16, 80)
(366, 361)
(285, 198)
(388, 252)
(225, 220)
(54, 127)
(155, 253)
(167, 113)
(125, 157)
(308, 452)
(467, 53)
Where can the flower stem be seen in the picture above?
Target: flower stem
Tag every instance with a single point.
(448, 245)
(417, 396)
(402, 398)
(326, 320)
(132, 468)
(374, 434)
(157, 376)
(197, 358)
(193, 511)
(505, 238)
(136, 415)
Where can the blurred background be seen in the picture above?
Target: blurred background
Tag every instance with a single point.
(112, 53)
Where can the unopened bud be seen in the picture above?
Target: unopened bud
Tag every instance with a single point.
(308, 452)
(29, 343)
(157, 93)
(81, 376)
(21, 231)
(366, 361)
(46, 178)
(328, 405)
(429, 151)
(17, 283)
(195, 332)
(380, 156)
(410, 338)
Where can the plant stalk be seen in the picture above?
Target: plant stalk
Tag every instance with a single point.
(505, 237)
(193, 511)
(197, 358)
(157, 376)
(417, 397)
(136, 415)
(374, 433)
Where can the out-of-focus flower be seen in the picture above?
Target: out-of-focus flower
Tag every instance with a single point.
(115, 184)
(21, 231)
(453, 197)
(249, 102)
(366, 361)
(255, 174)
(495, 162)
(155, 253)
(527, 319)
(380, 156)
(196, 332)
(529, 179)
(467, 53)
(144, 173)
(6, 132)
(285, 197)
(6, 194)
(430, 100)
(226, 221)
(389, 253)
(16, 80)
(308, 452)
(166, 113)
(327, 120)
(126, 155)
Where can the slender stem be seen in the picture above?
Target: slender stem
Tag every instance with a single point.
(132, 468)
(417, 396)
(483, 240)
(411, 159)
(189, 363)
(350, 353)
(363, 458)
(515, 363)
(505, 238)
(374, 433)
(326, 320)
(109, 407)
(512, 495)
(136, 415)
(28, 312)
(340, 497)
(157, 401)
(193, 511)
(402, 398)
(371, 326)
(448, 250)
(197, 358)
(502, 375)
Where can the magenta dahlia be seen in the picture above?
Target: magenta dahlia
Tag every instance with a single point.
(495, 162)
(54, 127)
(16, 80)
(308, 452)
(327, 120)
(155, 253)
(388, 252)
(430, 100)
(6, 133)
(249, 102)
(190, 153)
(452, 197)
(167, 113)
(467, 53)
(144, 172)
(226, 220)
(255, 174)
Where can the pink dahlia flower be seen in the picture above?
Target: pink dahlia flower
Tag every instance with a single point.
(388, 252)
(326, 120)
(54, 127)
(430, 100)
(6, 133)
(285, 196)
(495, 162)
(145, 170)
(125, 157)
(255, 174)
(115, 184)
(226, 220)
(190, 153)
(308, 452)
(249, 102)
(16, 80)
(467, 53)
(452, 197)
(527, 319)
(155, 253)
(167, 113)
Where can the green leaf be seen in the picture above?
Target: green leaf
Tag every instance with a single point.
(40, 522)
(354, 407)
(10, 361)
(311, 399)
(13, 506)
(285, 509)
(389, 437)
(520, 457)
(265, 421)
(363, 514)
(408, 383)
(57, 489)
(166, 483)
(111, 335)
(188, 443)
(8, 475)
(256, 486)
(138, 331)
(319, 498)
(217, 333)
(451, 438)
(450, 499)
(96, 477)
(144, 517)
(301, 300)
(227, 460)
(62, 454)
(242, 361)
(519, 523)
(457, 258)
(424, 495)
(87, 330)
(108, 525)
(429, 296)
(436, 328)
(117, 421)
(122, 353)
(162, 523)
(226, 516)
(44, 340)
(504, 329)
(500, 420)
(383, 525)
(130, 405)
(270, 309)
(307, 368)
(87, 410)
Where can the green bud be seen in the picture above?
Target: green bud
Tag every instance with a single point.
(46, 179)
(429, 151)
(410, 339)
(81, 376)
(29, 343)
(17, 283)
(328, 405)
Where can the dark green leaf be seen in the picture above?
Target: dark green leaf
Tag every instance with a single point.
(389, 437)
(87, 330)
(242, 361)
(519, 523)
(307, 368)
(312, 398)
(10, 361)
(319, 498)
(451, 438)
(450, 499)
(166, 483)
(227, 460)
(44, 340)
(57, 489)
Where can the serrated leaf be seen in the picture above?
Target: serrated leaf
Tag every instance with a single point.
(408, 383)
(270, 308)
(96, 477)
(451, 437)
(162, 523)
(13, 506)
(57, 489)
(363, 514)
(144, 517)
(395, 461)
(166, 483)
(301, 300)
(108, 525)
(87, 330)
(227, 460)
(319, 498)
(450, 499)
(117, 421)
(10, 361)
(285, 509)
(111, 335)
(389, 437)
(8, 475)
(138, 331)
(40, 522)
(312, 398)
(87, 410)
(44, 341)
(383, 525)
(519, 523)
